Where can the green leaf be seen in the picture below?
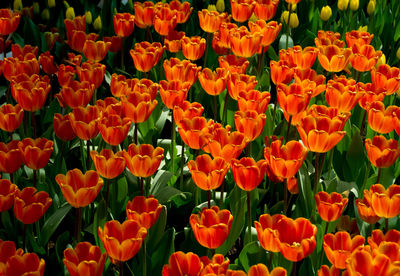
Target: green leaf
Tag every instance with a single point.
(162, 251)
(100, 218)
(306, 197)
(180, 199)
(158, 228)
(3, 90)
(61, 245)
(52, 223)
(33, 242)
(252, 254)
(355, 154)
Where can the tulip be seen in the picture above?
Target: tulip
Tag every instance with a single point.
(342, 93)
(183, 71)
(144, 14)
(233, 64)
(326, 13)
(302, 59)
(7, 194)
(76, 94)
(294, 20)
(122, 241)
(138, 107)
(143, 160)
(187, 110)
(10, 117)
(173, 92)
(123, 24)
(208, 174)
(365, 210)
(385, 202)
(165, 20)
(25, 264)
(145, 55)
(108, 164)
(265, 9)
(181, 264)
(224, 31)
(12, 67)
(281, 72)
(364, 57)
(358, 38)
(293, 98)
(326, 38)
(193, 47)
(377, 238)
(80, 189)
(210, 21)
(261, 269)
(250, 123)
(144, 210)
(78, 39)
(386, 78)
(10, 157)
(182, 9)
(84, 122)
(379, 118)
(330, 206)
(240, 82)
(8, 21)
(65, 75)
(248, 173)
(114, 129)
(214, 83)
(342, 4)
(216, 265)
(382, 153)
(30, 205)
(244, 43)
(253, 100)
(95, 50)
(242, 9)
(36, 152)
(47, 64)
(212, 228)
(173, 41)
(91, 72)
(77, 23)
(84, 259)
(334, 59)
(116, 43)
(194, 131)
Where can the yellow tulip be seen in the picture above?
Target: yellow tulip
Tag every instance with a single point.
(343, 4)
(371, 7)
(220, 5)
(88, 16)
(70, 13)
(97, 23)
(326, 13)
(212, 8)
(354, 5)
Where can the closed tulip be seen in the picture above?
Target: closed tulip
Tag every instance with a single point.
(8, 21)
(365, 210)
(10, 157)
(143, 160)
(181, 70)
(233, 64)
(385, 202)
(265, 9)
(180, 264)
(25, 264)
(244, 43)
(242, 9)
(193, 47)
(95, 50)
(144, 14)
(114, 129)
(84, 122)
(146, 55)
(240, 82)
(30, 205)
(386, 78)
(62, 127)
(248, 173)
(7, 194)
(330, 206)
(10, 117)
(380, 119)
(84, 259)
(164, 21)
(123, 24)
(108, 164)
(381, 152)
(91, 72)
(342, 93)
(36, 152)
(138, 107)
(173, 92)
(250, 123)
(144, 210)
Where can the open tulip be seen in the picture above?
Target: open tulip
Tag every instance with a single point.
(378, 237)
(95, 50)
(144, 14)
(47, 63)
(145, 55)
(326, 38)
(80, 189)
(269, 31)
(10, 117)
(382, 153)
(28, 64)
(330, 206)
(248, 173)
(386, 78)
(108, 164)
(30, 205)
(143, 160)
(253, 100)
(240, 82)
(250, 123)
(76, 24)
(293, 98)
(380, 118)
(364, 57)
(25, 264)
(123, 24)
(281, 72)
(359, 38)
(84, 122)
(138, 107)
(194, 131)
(36, 152)
(84, 259)
(173, 41)
(122, 241)
(208, 174)
(299, 57)
(8, 21)
(182, 9)
(265, 9)
(212, 228)
(385, 202)
(91, 72)
(187, 110)
(233, 64)
(334, 59)
(144, 210)
(181, 264)
(7, 193)
(183, 71)
(213, 82)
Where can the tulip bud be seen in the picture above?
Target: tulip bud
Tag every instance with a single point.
(326, 13)
(70, 13)
(398, 53)
(354, 5)
(294, 21)
(97, 23)
(363, 28)
(36, 8)
(343, 4)
(88, 16)
(51, 3)
(212, 8)
(17, 5)
(220, 5)
(381, 60)
(371, 7)
(45, 14)
(293, 7)
(253, 18)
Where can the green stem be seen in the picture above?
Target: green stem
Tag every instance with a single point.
(215, 108)
(221, 200)
(83, 154)
(107, 191)
(136, 133)
(288, 128)
(34, 178)
(121, 268)
(260, 63)
(78, 223)
(206, 51)
(209, 198)
(322, 252)
(182, 164)
(144, 259)
(316, 179)
(141, 186)
(379, 175)
(285, 196)
(87, 154)
(225, 107)
(288, 25)
(24, 236)
(249, 215)
(123, 55)
(173, 146)
(33, 121)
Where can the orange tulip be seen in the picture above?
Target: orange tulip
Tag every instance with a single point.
(110, 106)
(285, 160)
(242, 9)
(338, 247)
(30, 205)
(226, 144)
(365, 210)
(253, 100)
(10, 157)
(382, 153)
(301, 58)
(7, 194)
(233, 64)
(377, 237)
(78, 39)
(244, 43)
(12, 67)
(194, 131)
(85, 121)
(183, 10)
(165, 20)
(208, 174)
(213, 82)
(342, 93)
(25, 264)
(248, 173)
(144, 210)
(293, 98)
(84, 259)
(334, 59)
(10, 117)
(62, 127)
(32, 93)
(370, 95)
(20, 52)
(385, 202)
(181, 264)
(95, 50)
(145, 55)
(265, 9)
(240, 82)
(358, 38)
(114, 129)
(326, 38)
(330, 206)
(91, 72)
(65, 74)
(224, 34)
(36, 153)
(75, 94)
(217, 265)
(173, 92)
(7, 250)
(80, 189)
(322, 128)
(386, 78)
(219, 47)
(138, 107)
(183, 71)
(8, 21)
(193, 47)
(123, 24)
(250, 123)
(76, 24)
(262, 270)
(212, 227)
(108, 164)
(144, 14)
(326, 271)
(47, 64)
(120, 86)
(173, 41)
(187, 110)
(379, 118)
(122, 241)
(143, 160)
(281, 72)
(116, 43)
(364, 57)
(269, 31)
(211, 20)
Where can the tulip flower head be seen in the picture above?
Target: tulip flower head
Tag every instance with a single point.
(84, 258)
